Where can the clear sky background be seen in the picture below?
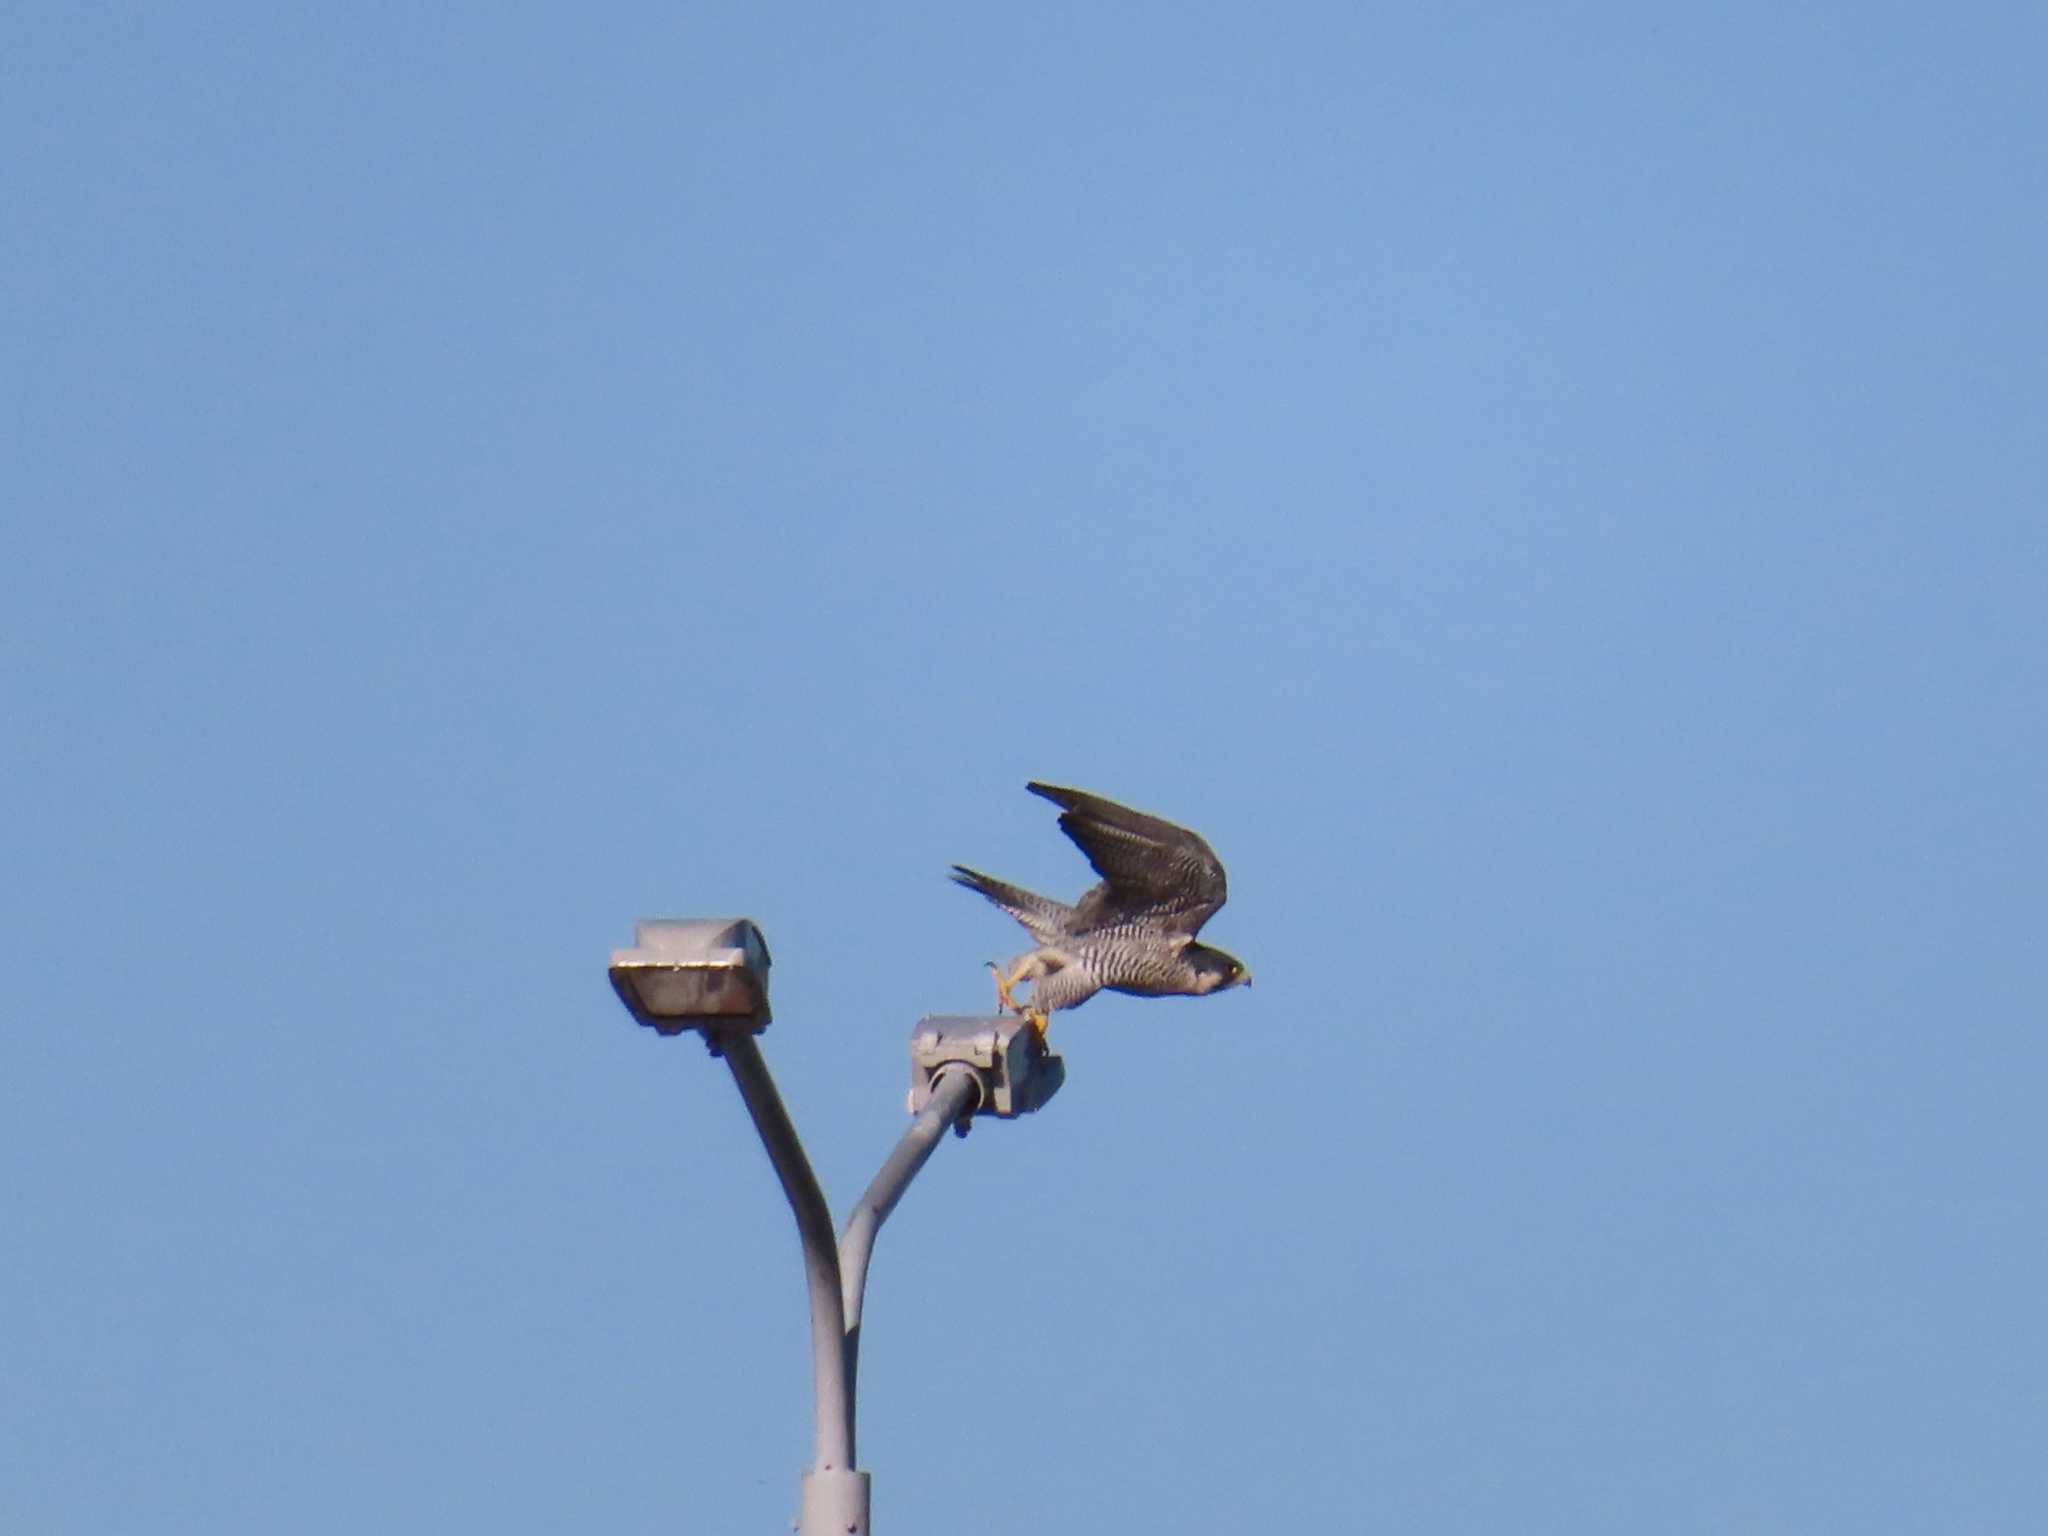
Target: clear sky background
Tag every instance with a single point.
(1558, 495)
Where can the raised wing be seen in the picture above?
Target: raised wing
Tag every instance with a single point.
(1152, 871)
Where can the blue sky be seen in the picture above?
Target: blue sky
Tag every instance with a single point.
(1556, 496)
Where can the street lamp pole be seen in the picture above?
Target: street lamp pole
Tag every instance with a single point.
(711, 976)
(833, 1381)
(955, 1096)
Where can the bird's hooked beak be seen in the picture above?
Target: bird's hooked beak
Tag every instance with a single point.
(1246, 979)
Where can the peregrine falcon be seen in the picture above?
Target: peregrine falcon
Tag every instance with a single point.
(1134, 932)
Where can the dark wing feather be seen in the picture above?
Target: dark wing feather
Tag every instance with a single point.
(1152, 871)
(1047, 919)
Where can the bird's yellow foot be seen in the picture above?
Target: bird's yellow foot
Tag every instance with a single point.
(1003, 999)
(1038, 1021)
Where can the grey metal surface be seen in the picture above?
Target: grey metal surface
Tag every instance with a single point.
(1007, 1050)
(821, 1253)
(834, 1504)
(712, 976)
(694, 973)
(957, 1093)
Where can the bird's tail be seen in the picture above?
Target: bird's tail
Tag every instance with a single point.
(1041, 914)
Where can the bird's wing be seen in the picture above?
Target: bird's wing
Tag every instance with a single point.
(1045, 918)
(1152, 871)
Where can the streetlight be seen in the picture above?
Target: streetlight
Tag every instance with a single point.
(710, 976)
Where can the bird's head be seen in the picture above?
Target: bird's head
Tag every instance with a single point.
(1214, 970)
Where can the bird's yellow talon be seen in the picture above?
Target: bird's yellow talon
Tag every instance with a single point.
(1003, 999)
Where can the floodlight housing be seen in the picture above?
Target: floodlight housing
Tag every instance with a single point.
(708, 974)
(1007, 1053)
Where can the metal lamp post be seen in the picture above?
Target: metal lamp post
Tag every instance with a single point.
(710, 976)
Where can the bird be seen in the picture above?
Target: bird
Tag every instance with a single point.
(1134, 932)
